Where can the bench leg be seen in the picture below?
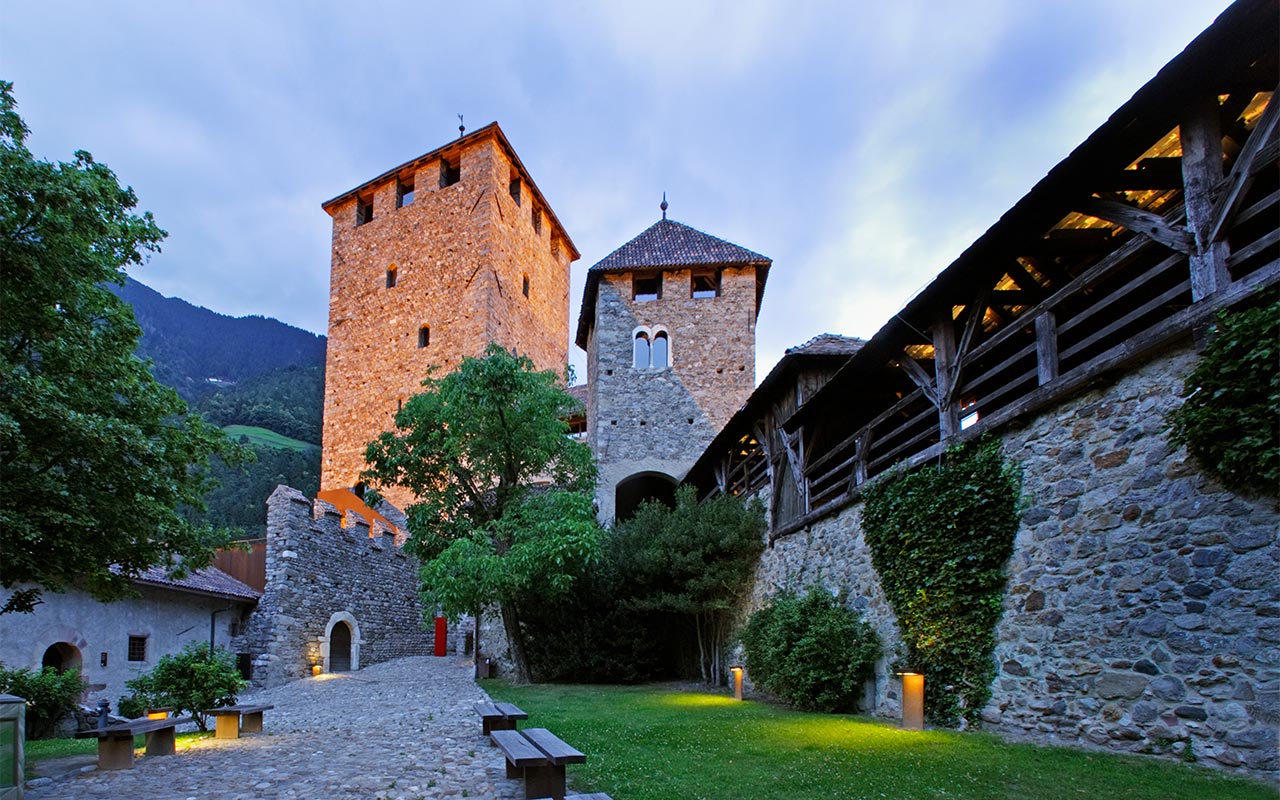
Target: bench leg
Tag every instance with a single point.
(228, 727)
(545, 781)
(115, 752)
(488, 726)
(513, 771)
(251, 723)
(161, 742)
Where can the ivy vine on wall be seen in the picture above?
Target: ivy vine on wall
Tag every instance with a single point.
(940, 537)
(1230, 421)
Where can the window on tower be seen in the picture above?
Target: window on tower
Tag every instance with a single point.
(514, 189)
(537, 220)
(450, 173)
(705, 285)
(364, 210)
(424, 336)
(640, 351)
(404, 192)
(646, 287)
(661, 350)
(391, 276)
(525, 286)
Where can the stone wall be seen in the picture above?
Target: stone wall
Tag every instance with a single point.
(660, 420)
(461, 255)
(319, 572)
(1142, 613)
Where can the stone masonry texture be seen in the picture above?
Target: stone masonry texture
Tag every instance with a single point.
(462, 255)
(660, 420)
(1142, 611)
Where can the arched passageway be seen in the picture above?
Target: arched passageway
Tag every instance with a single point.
(636, 489)
(340, 648)
(62, 657)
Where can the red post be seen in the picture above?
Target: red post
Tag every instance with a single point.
(442, 635)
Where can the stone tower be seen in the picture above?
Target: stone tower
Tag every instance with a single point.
(432, 260)
(669, 326)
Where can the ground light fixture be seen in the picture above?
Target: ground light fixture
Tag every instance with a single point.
(737, 682)
(912, 701)
(315, 670)
(159, 713)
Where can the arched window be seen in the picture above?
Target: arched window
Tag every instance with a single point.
(641, 350)
(391, 276)
(661, 350)
(424, 336)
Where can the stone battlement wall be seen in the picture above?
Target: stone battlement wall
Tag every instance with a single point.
(319, 571)
(1142, 611)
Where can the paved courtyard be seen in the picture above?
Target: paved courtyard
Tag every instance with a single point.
(404, 729)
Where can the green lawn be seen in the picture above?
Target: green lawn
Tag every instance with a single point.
(658, 743)
(264, 436)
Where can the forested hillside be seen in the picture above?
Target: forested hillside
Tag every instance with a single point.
(252, 371)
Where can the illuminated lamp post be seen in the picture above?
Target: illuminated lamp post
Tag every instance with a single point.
(737, 682)
(912, 701)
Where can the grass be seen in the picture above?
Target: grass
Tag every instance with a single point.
(656, 743)
(267, 437)
(35, 750)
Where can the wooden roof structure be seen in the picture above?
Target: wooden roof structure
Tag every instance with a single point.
(1165, 214)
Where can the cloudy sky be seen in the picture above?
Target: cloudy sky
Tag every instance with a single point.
(862, 146)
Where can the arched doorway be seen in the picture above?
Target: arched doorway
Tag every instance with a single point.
(62, 657)
(340, 648)
(635, 489)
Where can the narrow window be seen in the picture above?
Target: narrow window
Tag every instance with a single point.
(640, 351)
(391, 276)
(661, 348)
(137, 648)
(705, 285)
(449, 173)
(404, 192)
(364, 211)
(555, 247)
(537, 220)
(646, 288)
(424, 336)
(525, 287)
(514, 189)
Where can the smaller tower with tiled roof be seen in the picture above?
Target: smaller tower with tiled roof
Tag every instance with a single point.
(668, 323)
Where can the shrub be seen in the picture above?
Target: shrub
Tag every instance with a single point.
(810, 650)
(190, 681)
(50, 694)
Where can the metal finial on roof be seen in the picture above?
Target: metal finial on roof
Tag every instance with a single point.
(462, 128)
(664, 205)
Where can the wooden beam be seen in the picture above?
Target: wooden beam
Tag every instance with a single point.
(1228, 203)
(861, 447)
(946, 371)
(1135, 219)
(1201, 172)
(919, 377)
(795, 460)
(1046, 347)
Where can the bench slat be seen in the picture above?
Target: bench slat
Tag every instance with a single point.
(511, 711)
(132, 728)
(238, 710)
(518, 750)
(488, 710)
(557, 751)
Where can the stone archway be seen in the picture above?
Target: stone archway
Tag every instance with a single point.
(340, 645)
(636, 489)
(62, 656)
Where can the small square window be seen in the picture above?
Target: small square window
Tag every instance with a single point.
(450, 173)
(137, 648)
(404, 192)
(514, 189)
(705, 285)
(364, 211)
(644, 288)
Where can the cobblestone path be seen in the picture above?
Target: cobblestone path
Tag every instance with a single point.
(400, 730)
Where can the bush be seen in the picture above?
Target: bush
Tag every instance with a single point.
(810, 651)
(50, 694)
(190, 681)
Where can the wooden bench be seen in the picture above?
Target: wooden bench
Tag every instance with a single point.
(498, 717)
(234, 720)
(115, 742)
(539, 756)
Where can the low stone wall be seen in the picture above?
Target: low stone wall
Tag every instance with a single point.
(319, 573)
(1142, 613)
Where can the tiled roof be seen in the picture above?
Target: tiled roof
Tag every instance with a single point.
(209, 580)
(670, 244)
(828, 344)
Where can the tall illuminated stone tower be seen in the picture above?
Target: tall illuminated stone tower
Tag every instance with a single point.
(432, 260)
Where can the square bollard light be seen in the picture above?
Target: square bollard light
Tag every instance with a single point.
(737, 682)
(13, 717)
(912, 701)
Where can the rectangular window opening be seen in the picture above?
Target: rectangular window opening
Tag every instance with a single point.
(424, 336)
(137, 648)
(364, 211)
(391, 277)
(705, 285)
(514, 189)
(525, 287)
(646, 287)
(450, 173)
(537, 221)
(404, 192)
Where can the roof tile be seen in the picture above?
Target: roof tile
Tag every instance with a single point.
(667, 243)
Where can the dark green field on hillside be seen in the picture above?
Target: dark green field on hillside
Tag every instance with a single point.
(267, 438)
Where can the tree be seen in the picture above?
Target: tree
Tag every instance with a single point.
(693, 560)
(96, 458)
(503, 495)
(191, 682)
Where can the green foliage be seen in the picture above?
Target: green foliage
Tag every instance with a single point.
(96, 457)
(50, 694)
(940, 538)
(473, 447)
(189, 681)
(239, 499)
(288, 401)
(1230, 421)
(693, 561)
(810, 650)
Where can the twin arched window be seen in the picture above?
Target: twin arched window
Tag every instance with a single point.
(651, 349)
